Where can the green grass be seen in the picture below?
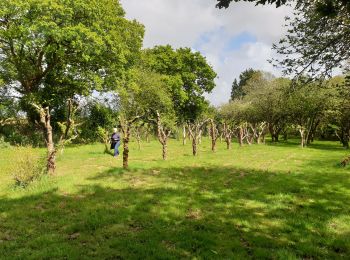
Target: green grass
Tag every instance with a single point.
(260, 201)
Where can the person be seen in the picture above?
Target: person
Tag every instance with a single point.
(115, 142)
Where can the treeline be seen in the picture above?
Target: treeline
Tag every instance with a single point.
(262, 104)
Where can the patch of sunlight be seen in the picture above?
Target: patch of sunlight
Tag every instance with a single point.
(254, 204)
(339, 225)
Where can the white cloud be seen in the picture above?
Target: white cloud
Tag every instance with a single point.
(183, 23)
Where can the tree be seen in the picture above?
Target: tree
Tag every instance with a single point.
(237, 91)
(143, 96)
(307, 104)
(267, 97)
(54, 50)
(190, 76)
(339, 115)
(195, 130)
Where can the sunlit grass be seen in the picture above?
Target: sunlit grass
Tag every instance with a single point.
(261, 201)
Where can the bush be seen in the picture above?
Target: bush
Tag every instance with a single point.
(4, 144)
(28, 166)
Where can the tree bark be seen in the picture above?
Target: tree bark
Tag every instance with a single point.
(194, 147)
(227, 132)
(240, 136)
(45, 120)
(302, 135)
(214, 134)
(184, 135)
(126, 139)
(163, 135)
(195, 131)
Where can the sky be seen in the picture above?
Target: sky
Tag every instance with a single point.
(232, 40)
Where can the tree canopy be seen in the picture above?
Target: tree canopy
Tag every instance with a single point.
(190, 76)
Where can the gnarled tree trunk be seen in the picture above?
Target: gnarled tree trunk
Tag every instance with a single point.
(126, 139)
(214, 134)
(163, 135)
(228, 135)
(45, 122)
(126, 129)
(240, 136)
(195, 130)
(184, 135)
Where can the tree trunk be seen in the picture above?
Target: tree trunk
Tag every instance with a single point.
(51, 151)
(228, 143)
(213, 134)
(240, 136)
(184, 135)
(138, 139)
(302, 135)
(195, 132)
(194, 146)
(274, 133)
(165, 151)
(163, 135)
(45, 120)
(126, 138)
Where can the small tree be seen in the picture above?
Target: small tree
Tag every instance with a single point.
(195, 129)
(141, 96)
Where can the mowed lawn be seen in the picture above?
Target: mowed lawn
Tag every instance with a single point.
(274, 201)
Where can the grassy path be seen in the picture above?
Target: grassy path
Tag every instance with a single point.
(259, 201)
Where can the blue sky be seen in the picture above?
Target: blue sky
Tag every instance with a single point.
(233, 40)
(231, 43)
(236, 42)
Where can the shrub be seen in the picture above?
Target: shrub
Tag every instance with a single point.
(28, 167)
(3, 143)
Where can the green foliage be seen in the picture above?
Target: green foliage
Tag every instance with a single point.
(27, 167)
(97, 116)
(237, 91)
(144, 93)
(3, 143)
(54, 50)
(190, 76)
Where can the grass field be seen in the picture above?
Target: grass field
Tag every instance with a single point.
(260, 201)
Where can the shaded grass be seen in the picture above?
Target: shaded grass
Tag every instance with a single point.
(273, 202)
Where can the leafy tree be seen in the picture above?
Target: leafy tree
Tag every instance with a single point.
(97, 115)
(267, 97)
(143, 96)
(237, 85)
(53, 50)
(190, 76)
(307, 105)
(339, 116)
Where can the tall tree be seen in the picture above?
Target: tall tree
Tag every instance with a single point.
(190, 77)
(51, 50)
(237, 91)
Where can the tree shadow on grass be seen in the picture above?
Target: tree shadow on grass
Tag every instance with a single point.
(164, 213)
